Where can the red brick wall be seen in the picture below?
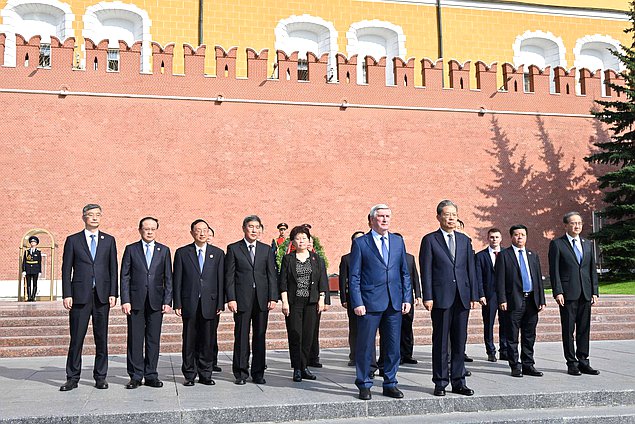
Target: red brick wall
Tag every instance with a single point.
(183, 159)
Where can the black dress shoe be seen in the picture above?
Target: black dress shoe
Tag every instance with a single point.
(133, 384)
(216, 368)
(393, 392)
(491, 357)
(468, 373)
(516, 372)
(532, 371)
(586, 369)
(101, 384)
(68, 386)
(465, 391)
(188, 383)
(307, 375)
(315, 364)
(364, 394)
(297, 376)
(206, 381)
(259, 380)
(439, 391)
(154, 383)
(573, 370)
(409, 361)
(467, 358)
(240, 381)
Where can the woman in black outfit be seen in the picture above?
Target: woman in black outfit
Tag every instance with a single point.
(303, 285)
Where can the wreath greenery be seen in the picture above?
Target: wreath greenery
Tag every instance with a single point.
(282, 250)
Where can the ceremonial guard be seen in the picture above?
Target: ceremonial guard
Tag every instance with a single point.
(32, 267)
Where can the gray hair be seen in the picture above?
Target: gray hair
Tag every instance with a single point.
(443, 203)
(89, 207)
(374, 209)
(565, 218)
(251, 218)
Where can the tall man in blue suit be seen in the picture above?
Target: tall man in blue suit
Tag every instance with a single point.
(146, 294)
(574, 280)
(380, 292)
(485, 262)
(198, 299)
(89, 289)
(449, 287)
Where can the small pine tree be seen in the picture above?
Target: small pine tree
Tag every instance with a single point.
(617, 237)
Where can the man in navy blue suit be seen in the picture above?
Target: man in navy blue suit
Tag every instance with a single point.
(485, 262)
(146, 294)
(380, 292)
(89, 289)
(446, 260)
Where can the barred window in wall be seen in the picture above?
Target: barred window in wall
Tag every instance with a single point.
(113, 60)
(45, 56)
(303, 70)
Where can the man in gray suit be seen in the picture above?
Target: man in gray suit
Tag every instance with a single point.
(574, 281)
(146, 294)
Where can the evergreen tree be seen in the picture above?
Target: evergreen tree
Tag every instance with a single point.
(617, 237)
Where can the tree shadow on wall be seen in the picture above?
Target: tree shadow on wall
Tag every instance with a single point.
(537, 199)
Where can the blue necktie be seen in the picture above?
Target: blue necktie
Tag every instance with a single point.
(578, 254)
(93, 246)
(200, 259)
(451, 246)
(384, 250)
(148, 255)
(524, 274)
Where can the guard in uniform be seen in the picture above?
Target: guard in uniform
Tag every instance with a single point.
(32, 267)
(282, 228)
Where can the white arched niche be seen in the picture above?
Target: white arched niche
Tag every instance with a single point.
(114, 21)
(377, 39)
(45, 18)
(541, 49)
(304, 34)
(593, 52)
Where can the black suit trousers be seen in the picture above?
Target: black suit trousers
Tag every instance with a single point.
(79, 316)
(575, 317)
(449, 326)
(243, 320)
(406, 346)
(31, 285)
(144, 330)
(301, 324)
(489, 313)
(314, 354)
(523, 319)
(352, 331)
(199, 336)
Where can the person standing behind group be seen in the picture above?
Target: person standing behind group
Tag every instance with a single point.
(215, 367)
(345, 300)
(198, 300)
(251, 291)
(146, 294)
(303, 284)
(276, 242)
(520, 292)
(485, 262)
(574, 281)
(32, 267)
(381, 292)
(89, 289)
(446, 260)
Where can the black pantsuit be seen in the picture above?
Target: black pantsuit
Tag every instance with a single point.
(79, 316)
(301, 325)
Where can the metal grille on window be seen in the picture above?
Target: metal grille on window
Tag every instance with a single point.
(303, 70)
(45, 56)
(113, 60)
(364, 73)
(527, 83)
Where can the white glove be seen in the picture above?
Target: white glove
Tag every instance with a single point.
(23, 273)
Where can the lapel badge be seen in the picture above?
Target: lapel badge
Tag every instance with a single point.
(529, 253)
(102, 237)
(211, 256)
(158, 248)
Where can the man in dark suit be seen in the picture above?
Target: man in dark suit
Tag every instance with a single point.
(198, 299)
(89, 289)
(485, 261)
(251, 290)
(520, 292)
(380, 292)
(446, 259)
(345, 300)
(146, 294)
(574, 281)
